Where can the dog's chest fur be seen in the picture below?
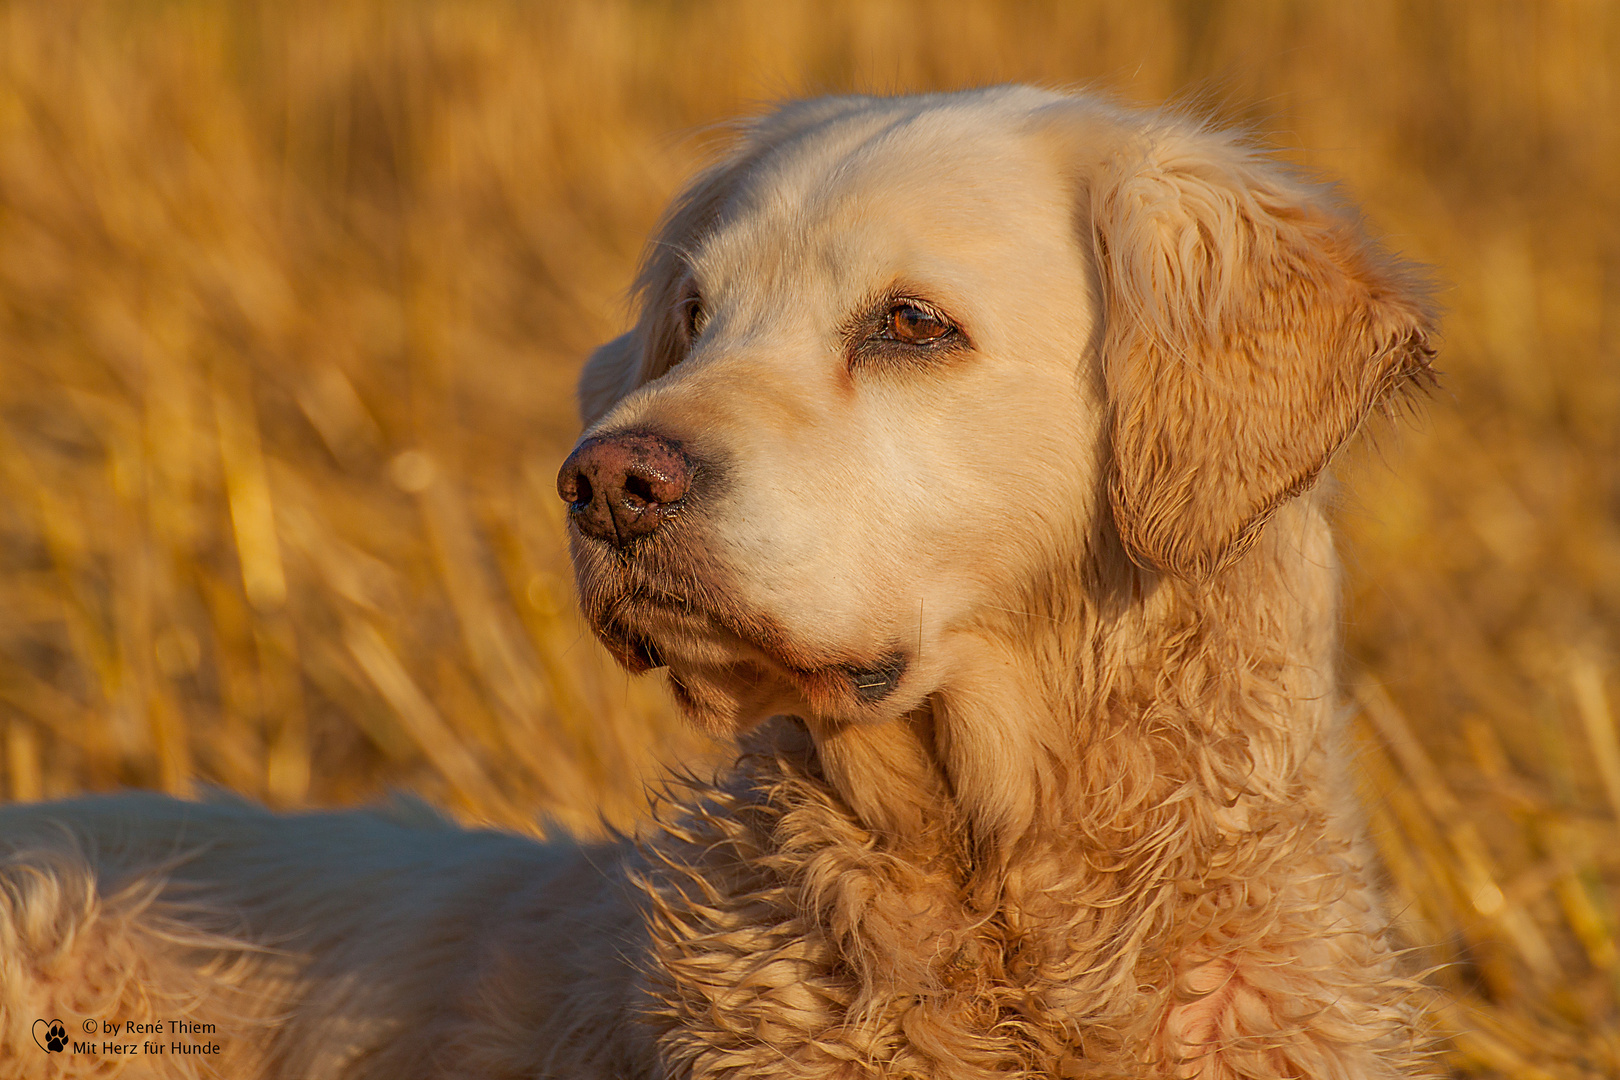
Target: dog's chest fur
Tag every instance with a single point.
(1188, 905)
(781, 928)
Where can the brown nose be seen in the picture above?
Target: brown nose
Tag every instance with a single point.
(621, 487)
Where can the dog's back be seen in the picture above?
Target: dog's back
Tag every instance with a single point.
(361, 944)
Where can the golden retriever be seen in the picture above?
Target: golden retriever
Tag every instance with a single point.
(965, 462)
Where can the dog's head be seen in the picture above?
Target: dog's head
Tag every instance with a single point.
(895, 358)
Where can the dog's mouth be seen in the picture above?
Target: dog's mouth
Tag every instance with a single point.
(632, 624)
(724, 659)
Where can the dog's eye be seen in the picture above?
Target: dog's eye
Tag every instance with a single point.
(912, 324)
(693, 317)
(899, 332)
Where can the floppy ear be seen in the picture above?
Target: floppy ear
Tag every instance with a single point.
(609, 374)
(1250, 327)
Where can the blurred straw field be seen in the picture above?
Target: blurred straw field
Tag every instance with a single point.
(292, 296)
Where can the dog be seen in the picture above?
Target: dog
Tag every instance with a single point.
(965, 463)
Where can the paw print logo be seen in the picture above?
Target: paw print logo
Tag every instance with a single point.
(50, 1035)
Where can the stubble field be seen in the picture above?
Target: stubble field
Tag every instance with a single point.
(292, 296)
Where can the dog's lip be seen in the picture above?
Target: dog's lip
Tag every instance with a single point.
(630, 646)
(634, 644)
(873, 683)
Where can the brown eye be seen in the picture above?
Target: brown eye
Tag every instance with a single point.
(913, 324)
(897, 332)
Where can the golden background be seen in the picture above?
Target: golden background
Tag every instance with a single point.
(292, 296)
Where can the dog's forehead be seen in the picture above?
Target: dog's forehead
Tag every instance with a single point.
(871, 193)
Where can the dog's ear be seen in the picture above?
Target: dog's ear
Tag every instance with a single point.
(1250, 327)
(611, 372)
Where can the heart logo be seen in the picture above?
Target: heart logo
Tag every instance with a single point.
(53, 1038)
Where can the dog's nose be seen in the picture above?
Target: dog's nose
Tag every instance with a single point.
(621, 487)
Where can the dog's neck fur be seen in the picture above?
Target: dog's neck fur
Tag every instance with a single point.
(1066, 727)
(1058, 833)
